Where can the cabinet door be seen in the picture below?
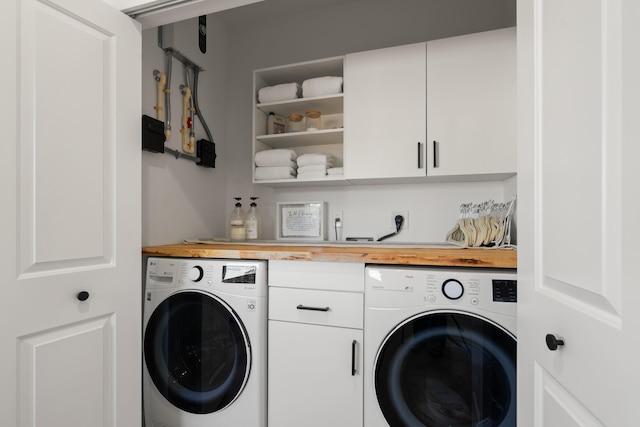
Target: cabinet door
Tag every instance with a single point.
(385, 113)
(70, 221)
(311, 381)
(471, 104)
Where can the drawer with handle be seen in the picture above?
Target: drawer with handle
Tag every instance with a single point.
(328, 308)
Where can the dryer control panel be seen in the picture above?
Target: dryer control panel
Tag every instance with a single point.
(485, 289)
(238, 277)
(505, 290)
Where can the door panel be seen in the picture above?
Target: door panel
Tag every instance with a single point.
(579, 111)
(48, 382)
(67, 204)
(558, 406)
(577, 193)
(71, 215)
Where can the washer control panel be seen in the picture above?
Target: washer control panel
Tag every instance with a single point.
(505, 290)
(489, 289)
(238, 277)
(452, 289)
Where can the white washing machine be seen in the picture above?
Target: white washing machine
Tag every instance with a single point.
(439, 347)
(205, 352)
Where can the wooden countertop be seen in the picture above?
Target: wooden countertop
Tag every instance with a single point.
(435, 255)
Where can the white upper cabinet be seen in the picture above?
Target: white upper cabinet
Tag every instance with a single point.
(444, 109)
(471, 105)
(385, 113)
(153, 13)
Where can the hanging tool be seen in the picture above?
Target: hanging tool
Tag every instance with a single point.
(161, 80)
(188, 141)
(167, 98)
(190, 122)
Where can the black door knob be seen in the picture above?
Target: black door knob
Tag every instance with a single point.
(553, 343)
(83, 296)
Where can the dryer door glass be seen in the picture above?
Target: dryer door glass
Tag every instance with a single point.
(447, 369)
(197, 352)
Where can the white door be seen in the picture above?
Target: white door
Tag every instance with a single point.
(70, 217)
(578, 214)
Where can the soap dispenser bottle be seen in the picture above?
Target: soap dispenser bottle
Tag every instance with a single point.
(238, 231)
(253, 221)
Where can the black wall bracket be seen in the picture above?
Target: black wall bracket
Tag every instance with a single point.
(153, 139)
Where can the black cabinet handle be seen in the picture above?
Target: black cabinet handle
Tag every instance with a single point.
(305, 307)
(419, 155)
(436, 163)
(554, 343)
(353, 357)
(83, 296)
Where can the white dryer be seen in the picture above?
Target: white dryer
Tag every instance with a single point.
(205, 328)
(439, 347)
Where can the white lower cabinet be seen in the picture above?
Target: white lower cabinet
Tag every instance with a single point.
(311, 382)
(315, 344)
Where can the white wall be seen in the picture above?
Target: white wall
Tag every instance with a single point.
(337, 30)
(181, 200)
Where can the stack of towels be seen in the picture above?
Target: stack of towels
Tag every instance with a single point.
(314, 165)
(275, 164)
(319, 86)
(281, 92)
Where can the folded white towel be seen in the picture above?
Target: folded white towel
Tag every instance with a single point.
(319, 86)
(312, 175)
(315, 159)
(281, 92)
(276, 157)
(275, 172)
(312, 168)
(335, 171)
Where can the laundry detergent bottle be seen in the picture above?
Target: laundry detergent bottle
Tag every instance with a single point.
(252, 222)
(238, 232)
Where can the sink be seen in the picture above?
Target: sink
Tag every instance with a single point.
(389, 243)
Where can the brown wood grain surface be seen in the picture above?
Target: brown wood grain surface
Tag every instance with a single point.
(387, 254)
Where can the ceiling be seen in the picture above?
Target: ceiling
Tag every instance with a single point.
(271, 9)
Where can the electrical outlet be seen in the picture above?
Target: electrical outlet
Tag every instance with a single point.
(337, 219)
(405, 215)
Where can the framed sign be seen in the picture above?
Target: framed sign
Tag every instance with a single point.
(301, 221)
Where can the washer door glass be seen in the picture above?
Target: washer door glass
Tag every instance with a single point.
(447, 369)
(197, 352)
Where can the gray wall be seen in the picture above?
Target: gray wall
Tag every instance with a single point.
(179, 199)
(336, 30)
(182, 201)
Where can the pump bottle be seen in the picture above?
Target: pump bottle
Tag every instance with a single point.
(238, 232)
(253, 221)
